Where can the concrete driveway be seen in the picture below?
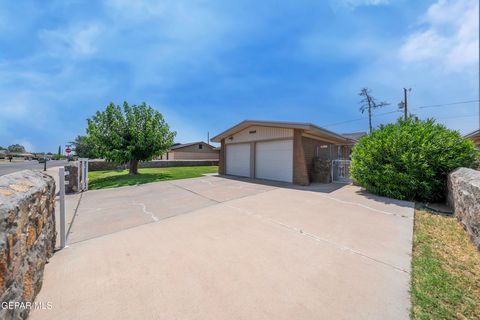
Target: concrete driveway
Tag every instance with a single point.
(218, 248)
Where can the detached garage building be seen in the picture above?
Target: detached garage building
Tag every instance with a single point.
(298, 153)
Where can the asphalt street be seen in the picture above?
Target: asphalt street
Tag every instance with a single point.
(10, 167)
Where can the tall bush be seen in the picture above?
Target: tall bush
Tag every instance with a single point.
(410, 160)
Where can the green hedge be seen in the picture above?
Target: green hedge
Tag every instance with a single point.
(410, 160)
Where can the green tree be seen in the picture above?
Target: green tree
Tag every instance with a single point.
(84, 147)
(132, 134)
(16, 148)
(59, 150)
(410, 160)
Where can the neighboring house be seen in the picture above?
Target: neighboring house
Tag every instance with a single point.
(475, 137)
(299, 153)
(191, 151)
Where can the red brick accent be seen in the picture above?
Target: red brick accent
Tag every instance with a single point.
(318, 165)
(221, 158)
(300, 173)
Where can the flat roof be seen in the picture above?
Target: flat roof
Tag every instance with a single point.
(310, 127)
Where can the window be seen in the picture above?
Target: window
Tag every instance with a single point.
(200, 146)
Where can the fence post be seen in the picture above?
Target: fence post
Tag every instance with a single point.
(63, 238)
(78, 175)
(86, 174)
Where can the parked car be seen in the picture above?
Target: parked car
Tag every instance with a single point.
(43, 160)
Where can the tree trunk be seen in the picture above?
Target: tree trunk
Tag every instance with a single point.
(133, 166)
(369, 113)
(370, 118)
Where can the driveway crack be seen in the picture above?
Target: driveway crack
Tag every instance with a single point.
(144, 210)
(313, 237)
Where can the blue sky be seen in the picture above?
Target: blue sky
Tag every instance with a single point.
(207, 65)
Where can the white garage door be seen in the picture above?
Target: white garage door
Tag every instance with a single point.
(274, 160)
(238, 159)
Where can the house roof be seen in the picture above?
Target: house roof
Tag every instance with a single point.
(472, 134)
(308, 127)
(183, 145)
(354, 135)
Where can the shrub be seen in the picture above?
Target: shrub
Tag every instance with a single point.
(410, 160)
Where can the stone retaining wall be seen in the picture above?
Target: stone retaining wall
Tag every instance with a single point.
(97, 165)
(27, 238)
(71, 179)
(464, 198)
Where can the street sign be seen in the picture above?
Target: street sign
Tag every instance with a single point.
(68, 150)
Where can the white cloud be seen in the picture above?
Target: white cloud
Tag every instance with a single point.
(76, 41)
(22, 107)
(450, 39)
(438, 59)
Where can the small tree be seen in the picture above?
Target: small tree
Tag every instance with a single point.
(136, 133)
(17, 148)
(368, 103)
(410, 159)
(84, 147)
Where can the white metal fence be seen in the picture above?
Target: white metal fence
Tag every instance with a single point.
(82, 185)
(341, 171)
(82, 174)
(61, 193)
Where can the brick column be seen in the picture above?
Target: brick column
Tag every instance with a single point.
(300, 173)
(221, 158)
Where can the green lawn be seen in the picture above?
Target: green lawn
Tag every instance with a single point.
(445, 269)
(119, 178)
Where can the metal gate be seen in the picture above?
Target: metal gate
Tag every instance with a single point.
(341, 171)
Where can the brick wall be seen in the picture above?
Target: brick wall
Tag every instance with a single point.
(318, 166)
(27, 237)
(221, 158)
(300, 172)
(97, 165)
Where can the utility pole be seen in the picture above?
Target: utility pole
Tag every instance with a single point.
(208, 137)
(405, 108)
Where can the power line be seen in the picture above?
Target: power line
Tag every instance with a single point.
(420, 107)
(446, 104)
(455, 117)
(358, 119)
